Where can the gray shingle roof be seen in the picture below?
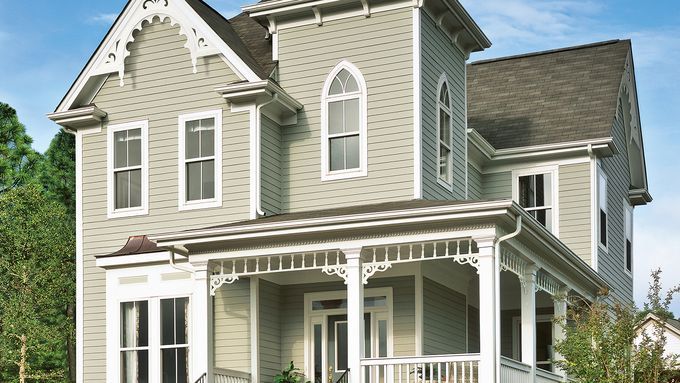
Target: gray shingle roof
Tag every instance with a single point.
(547, 97)
(242, 36)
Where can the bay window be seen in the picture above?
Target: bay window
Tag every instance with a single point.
(134, 342)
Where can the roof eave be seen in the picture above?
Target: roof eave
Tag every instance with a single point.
(75, 119)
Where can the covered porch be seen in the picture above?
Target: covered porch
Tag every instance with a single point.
(451, 301)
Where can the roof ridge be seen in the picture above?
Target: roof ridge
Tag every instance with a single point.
(549, 51)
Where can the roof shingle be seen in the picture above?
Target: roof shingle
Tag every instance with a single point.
(547, 97)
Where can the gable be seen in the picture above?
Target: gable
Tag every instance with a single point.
(206, 32)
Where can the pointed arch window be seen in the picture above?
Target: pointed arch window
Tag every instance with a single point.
(444, 134)
(344, 108)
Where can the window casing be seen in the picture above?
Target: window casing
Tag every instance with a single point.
(603, 209)
(134, 342)
(127, 169)
(344, 126)
(174, 325)
(444, 135)
(628, 244)
(536, 191)
(200, 164)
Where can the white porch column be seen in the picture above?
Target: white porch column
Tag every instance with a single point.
(560, 312)
(355, 313)
(528, 317)
(202, 355)
(489, 277)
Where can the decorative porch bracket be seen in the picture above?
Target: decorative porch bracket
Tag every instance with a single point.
(378, 259)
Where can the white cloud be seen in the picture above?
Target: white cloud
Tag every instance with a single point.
(104, 18)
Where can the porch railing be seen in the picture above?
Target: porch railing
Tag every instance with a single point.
(543, 376)
(223, 375)
(513, 371)
(457, 368)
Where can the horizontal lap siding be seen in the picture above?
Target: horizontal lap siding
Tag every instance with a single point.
(444, 320)
(497, 185)
(159, 85)
(474, 183)
(382, 48)
(232, 326)
(611, 263)
(440, 56)
(574, 200)
(271, 166)
(270, 330)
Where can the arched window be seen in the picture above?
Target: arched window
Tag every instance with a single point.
(444, 135)
(344, 124)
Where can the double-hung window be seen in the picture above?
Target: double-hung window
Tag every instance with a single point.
(444, 136)
(344, 150)
(134, 342)
(200, 160)
(603, 210)
(175, 340)
(536, 193)
(629, 237)
(127, 169)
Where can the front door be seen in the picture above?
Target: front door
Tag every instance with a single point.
(327, 337)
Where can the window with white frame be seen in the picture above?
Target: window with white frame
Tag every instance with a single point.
(536, 193)
(134, 342)
(603, 212)
(174, 340)
(629, 238)
(344, 108)
(444, 134)
(127, 147)
(200, 160)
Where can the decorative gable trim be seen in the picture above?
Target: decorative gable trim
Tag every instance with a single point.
(202, 41)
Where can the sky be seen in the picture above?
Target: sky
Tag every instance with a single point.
(45, 43)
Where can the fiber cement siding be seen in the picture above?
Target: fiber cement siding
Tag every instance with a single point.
(574, 209)
(611, 263)
(497, 185)
(475, 190)
(271, 166)
(444, 320)
(439, 57)
(379, 45)
(232, 326)
(159, 85)
(270, 330)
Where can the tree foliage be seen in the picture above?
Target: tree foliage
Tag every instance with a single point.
(57, 171)
(36, 284)
(18, 160)
(602, 342)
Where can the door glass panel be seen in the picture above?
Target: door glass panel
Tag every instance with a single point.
(382, 338)
(341, 345)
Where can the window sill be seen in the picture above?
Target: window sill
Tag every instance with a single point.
(445, 185)
(602, 247)
(197, 205)
(124, 213)
(345, 174)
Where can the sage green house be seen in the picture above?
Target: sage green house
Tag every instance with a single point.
(332, 183)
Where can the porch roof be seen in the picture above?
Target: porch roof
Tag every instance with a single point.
(391, 216)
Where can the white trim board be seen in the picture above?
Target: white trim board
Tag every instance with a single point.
(417, 107)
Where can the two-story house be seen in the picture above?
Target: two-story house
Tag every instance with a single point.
(329, 182)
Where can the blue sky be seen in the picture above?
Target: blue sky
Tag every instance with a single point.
(45, 43)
